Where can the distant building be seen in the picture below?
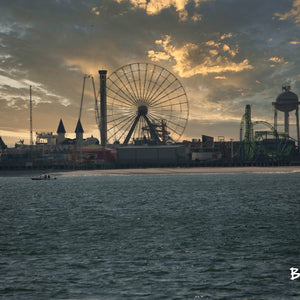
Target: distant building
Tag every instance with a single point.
(45, 138)
(59, 141)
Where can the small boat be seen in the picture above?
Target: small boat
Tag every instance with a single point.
(43, 177)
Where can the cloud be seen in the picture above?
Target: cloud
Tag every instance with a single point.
(154, 7)
(16, 92)
(294, 13)
(95, 11)
(156, 56)
(212, 55)
(276, 59)
(226, 36)
(221, 50)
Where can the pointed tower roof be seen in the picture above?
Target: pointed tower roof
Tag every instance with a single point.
(79, 128)
(61, 127)
(2, 144)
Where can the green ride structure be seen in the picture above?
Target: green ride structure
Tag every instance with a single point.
(267, 146)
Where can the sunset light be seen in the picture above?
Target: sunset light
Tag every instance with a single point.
(225, 54)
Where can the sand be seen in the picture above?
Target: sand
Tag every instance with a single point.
(196, 170)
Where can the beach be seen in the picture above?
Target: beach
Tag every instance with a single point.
(145, 171)
(197, 170)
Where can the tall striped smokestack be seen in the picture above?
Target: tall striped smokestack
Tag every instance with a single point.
(103, 109)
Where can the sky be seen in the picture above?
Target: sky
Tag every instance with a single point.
(225, 53)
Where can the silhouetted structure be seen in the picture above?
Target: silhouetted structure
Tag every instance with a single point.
(79, 134)
(286, 102)
(60, 132)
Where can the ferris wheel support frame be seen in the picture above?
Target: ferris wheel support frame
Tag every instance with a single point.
(142, 112)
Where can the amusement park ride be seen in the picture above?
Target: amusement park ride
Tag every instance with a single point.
(143, 103)
(139, 103)
(269, 144)
(253, 144)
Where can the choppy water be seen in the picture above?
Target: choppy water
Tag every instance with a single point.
(197, 236)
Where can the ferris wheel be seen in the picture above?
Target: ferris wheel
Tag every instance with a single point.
(145, 102)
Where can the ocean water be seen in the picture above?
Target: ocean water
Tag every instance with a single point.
(186, 236)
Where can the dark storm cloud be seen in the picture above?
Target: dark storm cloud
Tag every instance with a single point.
(248, 47)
